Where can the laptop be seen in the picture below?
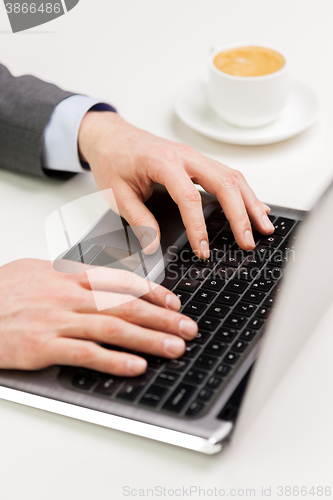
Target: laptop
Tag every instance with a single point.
(254, 312)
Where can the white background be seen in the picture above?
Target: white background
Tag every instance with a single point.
(138, 54)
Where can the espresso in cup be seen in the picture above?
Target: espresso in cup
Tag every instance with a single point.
(249, 61)
(248, 85)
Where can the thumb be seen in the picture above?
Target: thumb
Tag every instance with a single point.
(141, 220)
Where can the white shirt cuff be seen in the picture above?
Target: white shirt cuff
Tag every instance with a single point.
(60, 146)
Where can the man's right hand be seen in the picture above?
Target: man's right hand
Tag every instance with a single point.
(49, 318)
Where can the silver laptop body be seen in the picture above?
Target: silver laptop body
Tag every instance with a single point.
(50, 389)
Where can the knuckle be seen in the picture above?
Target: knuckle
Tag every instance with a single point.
(167, 154)
(83, 354)
(257, 205)
(191, 194)
(243, 219)
(230, 181)
(238, 175)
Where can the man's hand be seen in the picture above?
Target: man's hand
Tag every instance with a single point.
(48, 318)
(131, 161)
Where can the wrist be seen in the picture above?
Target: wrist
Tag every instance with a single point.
(92, 130)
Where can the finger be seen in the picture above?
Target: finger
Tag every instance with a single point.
(255, 208)
(142, 221)
(118, 281)
(74, 352)
(116, 331)
(188, 199)
(225, 186)
(142, 313)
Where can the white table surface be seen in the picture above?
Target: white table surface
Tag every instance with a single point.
(137, 54)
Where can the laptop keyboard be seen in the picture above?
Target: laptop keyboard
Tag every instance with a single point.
(230, 296)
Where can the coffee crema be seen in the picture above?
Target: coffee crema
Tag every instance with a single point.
(249, 61)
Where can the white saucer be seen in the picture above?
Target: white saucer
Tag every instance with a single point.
(301, 111)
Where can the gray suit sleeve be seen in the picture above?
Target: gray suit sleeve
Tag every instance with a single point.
(26, 105)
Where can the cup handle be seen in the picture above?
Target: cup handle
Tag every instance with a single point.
(212, 49)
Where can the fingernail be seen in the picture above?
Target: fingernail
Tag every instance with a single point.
(172, 302)
(187, 328)
(174, 346)
(136, 365)
(145, 241)
(267, 223)
(249, 238)
(204, 248)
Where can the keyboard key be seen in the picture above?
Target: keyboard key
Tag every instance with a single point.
(215, 347)
(188, 285)
(269, 302)
(239, 346)
(262, 284)
(226, 239)
(153, 396)
(256, 323)
(263, 312)
(205, 362)
(215, 224)
(231, 358)
(222, 370)
(217, 251)
(167, 378)
(246, 274)
(254, 261)
(183, 296)
(201, 337)
(235, 322)
(107, 385)
(253, 296)
(283, 225)
(271, 273)
(214, 383)
(84, 382)
(194, 376)
(233, 258)
(153, 361)
(198, 273)
(272, 240)
(225, 334)
(236, 286)
(218, 214)
(207, 323)
(248, 335)
(209, 263)
(223, 272)
(179, 398)
(205, 395)
(194, 408)
(133, 386)
(213, 284)
(227, 298)
(244, 309)
(195, 308)
(191, 350)
(218, 311)
(264, 252)
(205, 296)
(178, 365)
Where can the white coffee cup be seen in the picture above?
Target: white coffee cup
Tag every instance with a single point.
(247, 101)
